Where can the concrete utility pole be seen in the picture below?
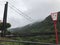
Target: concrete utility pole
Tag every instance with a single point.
(4, 20)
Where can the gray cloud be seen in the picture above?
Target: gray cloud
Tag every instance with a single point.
(36, 9)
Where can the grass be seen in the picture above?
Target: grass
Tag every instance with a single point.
(9, 43)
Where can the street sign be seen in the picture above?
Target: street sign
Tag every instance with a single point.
(54, 16)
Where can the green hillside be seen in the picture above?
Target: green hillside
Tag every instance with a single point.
(38, 27)
(43, 26)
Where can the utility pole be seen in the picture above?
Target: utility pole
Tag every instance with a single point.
(4, 20)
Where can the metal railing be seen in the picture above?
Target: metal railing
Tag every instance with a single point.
(16, 42)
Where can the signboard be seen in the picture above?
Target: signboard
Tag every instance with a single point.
(54, 16)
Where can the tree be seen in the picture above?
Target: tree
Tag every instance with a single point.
(7, 26)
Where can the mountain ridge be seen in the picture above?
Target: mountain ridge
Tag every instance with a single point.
(44, 26)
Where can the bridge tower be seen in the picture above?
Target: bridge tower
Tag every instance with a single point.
(4, 20)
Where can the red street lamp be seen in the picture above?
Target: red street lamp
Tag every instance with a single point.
(54, 17)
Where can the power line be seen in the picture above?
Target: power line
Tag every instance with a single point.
(20, 14)
(19, 11)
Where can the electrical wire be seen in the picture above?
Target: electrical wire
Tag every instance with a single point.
(20, 12)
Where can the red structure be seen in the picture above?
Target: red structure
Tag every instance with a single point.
(54, 17)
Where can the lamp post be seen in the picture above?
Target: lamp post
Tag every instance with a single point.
(54, 17)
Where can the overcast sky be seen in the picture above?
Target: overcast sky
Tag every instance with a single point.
(36, 9)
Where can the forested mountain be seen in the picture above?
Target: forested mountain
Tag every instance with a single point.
(39, 27)
(44, 26)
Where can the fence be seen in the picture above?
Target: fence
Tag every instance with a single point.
(15, 42)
